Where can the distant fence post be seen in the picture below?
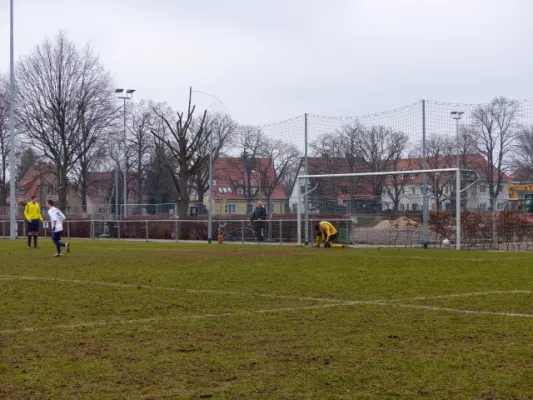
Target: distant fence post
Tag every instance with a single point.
(242, 231)
(146, 227)
(118, 230)
(280, 231)
(176, 233)
(68, 229)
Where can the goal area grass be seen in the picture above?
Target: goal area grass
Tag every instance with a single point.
(139, 320)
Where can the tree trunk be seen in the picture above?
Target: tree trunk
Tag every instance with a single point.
(83, 188)
(494, 222)
(140, 199)
(62, 188)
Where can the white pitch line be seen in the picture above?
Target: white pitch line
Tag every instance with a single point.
(436, 258)
(456, 310)
(199, 316)
(266, 311)
(171, 289)
(455, 295)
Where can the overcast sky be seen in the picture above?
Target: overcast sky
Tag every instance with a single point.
(272, 60)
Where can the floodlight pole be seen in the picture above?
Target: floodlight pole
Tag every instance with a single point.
(12, 193)
(456, 115)
(127, 96)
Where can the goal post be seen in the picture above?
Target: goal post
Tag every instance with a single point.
(405, 177)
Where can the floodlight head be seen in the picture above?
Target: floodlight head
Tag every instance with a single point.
(130, 91)
(457, 114)
(118, 91)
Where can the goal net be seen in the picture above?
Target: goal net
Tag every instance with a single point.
(407, 208)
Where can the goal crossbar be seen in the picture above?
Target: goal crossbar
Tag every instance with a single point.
(457, 171)
(356, 174)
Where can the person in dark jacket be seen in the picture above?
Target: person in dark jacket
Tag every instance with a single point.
(258, 218)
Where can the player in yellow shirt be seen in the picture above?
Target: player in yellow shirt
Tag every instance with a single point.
(32, 212)
(326, 232)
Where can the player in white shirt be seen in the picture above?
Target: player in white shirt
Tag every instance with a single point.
(56, 225)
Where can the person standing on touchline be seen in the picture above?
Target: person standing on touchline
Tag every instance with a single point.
(32, 212)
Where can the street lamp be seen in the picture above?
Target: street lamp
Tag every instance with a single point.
(456, 115)
(127, 95)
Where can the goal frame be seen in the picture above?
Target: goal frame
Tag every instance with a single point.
(301, 179)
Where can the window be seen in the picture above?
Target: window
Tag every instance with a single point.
(413, 190)
(501, 188)
(272, 208)
(501, 206)
(402, 176)
(414, 206)
(220, 190)
(412, 176)
(240, 190)
(482, 188)
(249, 208)
(483, 206)
(389, 177)
(50, 191)
(344, 189)
(402, 207)
(229, 208)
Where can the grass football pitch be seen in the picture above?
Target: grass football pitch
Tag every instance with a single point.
(124, 320)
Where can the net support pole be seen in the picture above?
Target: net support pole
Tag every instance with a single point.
(425, 200)
(210, 211)
(298, 211)
(306, 189)
(458, 209)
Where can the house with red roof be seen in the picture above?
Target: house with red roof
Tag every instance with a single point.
(41, 180)
(239, 184)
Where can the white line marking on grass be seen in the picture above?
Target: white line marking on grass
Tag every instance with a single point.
(266, 311)
(436, 258)
(455, 310)
(454, 295)
(184, 317)
(171, 289)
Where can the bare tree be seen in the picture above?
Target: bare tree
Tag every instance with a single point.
(494, 130)
(4, 139)
(439, 154)
(140, 143)
(522, 160)
(58, 87)
(98, 116)
(278, 161)
(494, 127)
(379, 149)
(184, 140)
(395, 186)
(223, 130)
(246, 166)
(26, 158)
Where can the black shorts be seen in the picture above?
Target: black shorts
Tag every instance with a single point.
(56, 236)
(33, 225)
(333, 238)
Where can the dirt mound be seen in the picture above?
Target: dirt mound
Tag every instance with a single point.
(400, 223)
